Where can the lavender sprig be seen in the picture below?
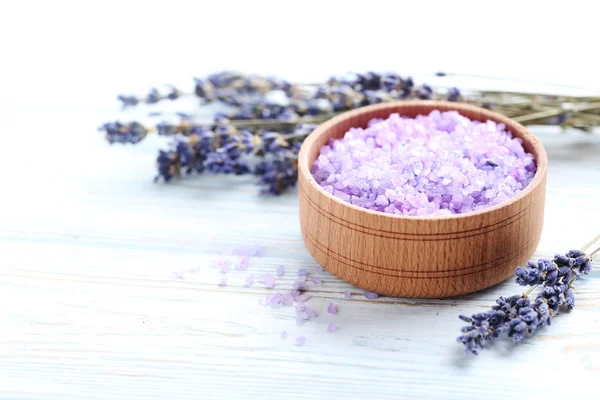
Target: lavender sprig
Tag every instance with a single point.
(518, 316)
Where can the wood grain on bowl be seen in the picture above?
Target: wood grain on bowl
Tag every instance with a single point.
(419, 256)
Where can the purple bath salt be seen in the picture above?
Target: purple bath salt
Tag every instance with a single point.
(280, 270)
(269, 281)
(316, 281)
(300, 340)
(223, 281)
(244, 263)
(347, 294)
(283, 335)
(249, 280)
(299, 285)
(319, 270)
(331, 328)
(370, 295)
(332, 308)
(302, 272)
(303, 298)
(437, 164)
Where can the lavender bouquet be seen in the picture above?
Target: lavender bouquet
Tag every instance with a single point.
(271, 117)
(520, 316)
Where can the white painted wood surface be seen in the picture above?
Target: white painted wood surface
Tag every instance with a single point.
(90, 307)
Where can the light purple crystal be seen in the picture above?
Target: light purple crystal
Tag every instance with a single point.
(303, 298)
(316, 281)
(319, 269)
(287, 299)
(300, 340)
(223, 281)
(302, 272)
(244, 263)
(370, 295)
(331, 328)
(347, 294)
(280, 270)
(310, 312)
(283, 335)
(332, 308)
(269, 281)
(433, 165)
(222, 264)
(299, 285)
(249, 280)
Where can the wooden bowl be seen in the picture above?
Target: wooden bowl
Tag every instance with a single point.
(419, 256)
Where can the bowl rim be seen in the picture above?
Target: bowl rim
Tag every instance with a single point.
(541, 159)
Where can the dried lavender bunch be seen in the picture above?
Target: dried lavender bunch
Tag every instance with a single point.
(519, 316)
(311, 104)
(271, 156)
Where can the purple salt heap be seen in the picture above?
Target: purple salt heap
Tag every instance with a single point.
(439, 164)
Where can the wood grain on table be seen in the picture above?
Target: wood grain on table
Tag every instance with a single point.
(108, 290)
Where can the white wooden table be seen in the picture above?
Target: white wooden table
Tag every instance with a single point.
(106, 283)
(92, 307)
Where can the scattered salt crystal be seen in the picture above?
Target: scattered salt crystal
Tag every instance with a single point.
(295, 293)
(316, 281)
(303, 298)
(276, 299)
(332, 308)
(222, 264)
(370, 295)
(331, 328)
(299, 285)
(299, 321)
(244, 263)
(319, 269)
(287, 299)
(280, 270)
(347, 294)
(300, 340)
(283, 335)
(302, 272)
(249, 280)
(300, 307)
(301, 278)
(269, 281)
(414, 166)
(310, 312)
(223, 281)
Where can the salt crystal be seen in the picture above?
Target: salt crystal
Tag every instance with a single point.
(269, 281)
(310, 312)
(316, 281)
(223, 281)
(370, 295)
(280, 270)
(331, 328)
(299, 285)
(302, 272)
(300, 340)
(332, 308)
(303, 298)
(249, 280)
(319, 269)
(244, 263)
(347, 294)
(283, 335)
